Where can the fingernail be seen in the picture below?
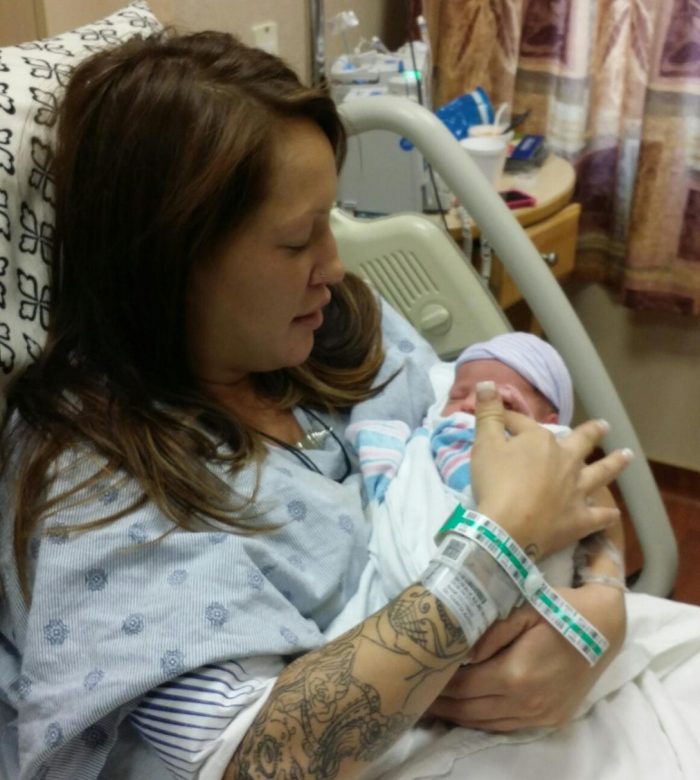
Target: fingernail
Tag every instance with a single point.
(486, 390)
(605, 425)
(627, 452)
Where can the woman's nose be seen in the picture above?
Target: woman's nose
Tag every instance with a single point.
(329, 268)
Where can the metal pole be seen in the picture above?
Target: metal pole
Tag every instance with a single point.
(318, 42)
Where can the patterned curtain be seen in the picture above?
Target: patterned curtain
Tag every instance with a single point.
(614, 85)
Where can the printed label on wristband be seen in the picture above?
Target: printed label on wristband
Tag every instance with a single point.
(488, 535)
(573, 626)
(561, 615)
(453, 550)
(460, 553)
(470, 605)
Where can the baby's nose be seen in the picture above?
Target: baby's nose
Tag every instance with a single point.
(468, 404)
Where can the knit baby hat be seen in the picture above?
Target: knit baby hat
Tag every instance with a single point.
(535, 360)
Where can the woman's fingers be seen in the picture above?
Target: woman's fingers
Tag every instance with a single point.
(534, 485)
(538, 679)
(517, 423)
(601, 517)
(604, 471)
(489, 412)
(586, 437)
(502, 633)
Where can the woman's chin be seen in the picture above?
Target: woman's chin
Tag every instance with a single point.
(298, 353)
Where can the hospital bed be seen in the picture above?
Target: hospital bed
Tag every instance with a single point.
(419, 269)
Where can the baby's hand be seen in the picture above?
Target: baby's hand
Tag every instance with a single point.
(514, 401)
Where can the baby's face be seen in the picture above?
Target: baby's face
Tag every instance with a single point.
(517, 393)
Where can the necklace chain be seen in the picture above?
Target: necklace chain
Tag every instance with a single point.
(313, 440)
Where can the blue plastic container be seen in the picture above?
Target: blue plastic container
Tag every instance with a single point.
(460, 114)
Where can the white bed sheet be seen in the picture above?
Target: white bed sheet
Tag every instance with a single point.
(641, 720)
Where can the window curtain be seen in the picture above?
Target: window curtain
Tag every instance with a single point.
(614, 85)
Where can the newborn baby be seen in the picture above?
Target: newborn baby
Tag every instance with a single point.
(414, 479)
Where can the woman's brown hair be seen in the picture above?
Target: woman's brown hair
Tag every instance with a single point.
(163, 146)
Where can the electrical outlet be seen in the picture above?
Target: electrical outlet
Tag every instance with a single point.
(265, 37)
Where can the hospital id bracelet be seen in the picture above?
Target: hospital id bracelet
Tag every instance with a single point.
(588, 576)
(471, 584)
(529, 579)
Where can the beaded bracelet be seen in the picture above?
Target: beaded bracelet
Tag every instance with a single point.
(529, 579)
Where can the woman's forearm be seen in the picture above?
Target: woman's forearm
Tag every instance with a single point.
(335, 709)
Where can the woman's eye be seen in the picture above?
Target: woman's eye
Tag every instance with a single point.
(296, 247)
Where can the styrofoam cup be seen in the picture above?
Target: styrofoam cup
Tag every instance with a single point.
(481, 130)
(489, 152)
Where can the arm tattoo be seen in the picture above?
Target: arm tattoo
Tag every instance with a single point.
(331, 714)
(425, 621)
(347, 700)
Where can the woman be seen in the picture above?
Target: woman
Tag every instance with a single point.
(160, 520)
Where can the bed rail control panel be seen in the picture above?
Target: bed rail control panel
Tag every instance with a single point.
(435, 320)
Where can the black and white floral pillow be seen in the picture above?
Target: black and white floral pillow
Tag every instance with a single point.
(32, 76)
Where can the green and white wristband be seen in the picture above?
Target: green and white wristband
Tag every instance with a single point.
(529, 580)
(468, 581)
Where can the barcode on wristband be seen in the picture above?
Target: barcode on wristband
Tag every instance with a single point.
(452, 550)
(473, 609)
(574, 627)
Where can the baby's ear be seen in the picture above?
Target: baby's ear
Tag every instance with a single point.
(551, 418)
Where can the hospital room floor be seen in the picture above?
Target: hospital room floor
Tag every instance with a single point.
(680, 491)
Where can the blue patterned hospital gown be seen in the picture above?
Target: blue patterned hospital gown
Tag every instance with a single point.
(118, 610)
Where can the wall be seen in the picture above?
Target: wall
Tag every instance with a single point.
(55, 16)
(238, 17)
(376, 17)
(17, 22)
(654, 362)
(21, 20)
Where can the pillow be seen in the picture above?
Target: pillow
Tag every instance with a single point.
(32, 76)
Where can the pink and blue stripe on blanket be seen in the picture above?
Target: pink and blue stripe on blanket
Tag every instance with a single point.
(451, 443)
(381, 447)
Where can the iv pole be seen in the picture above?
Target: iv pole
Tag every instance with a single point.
(318, 43)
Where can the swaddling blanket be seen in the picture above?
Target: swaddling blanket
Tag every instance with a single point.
(408, 503)
(414, 480)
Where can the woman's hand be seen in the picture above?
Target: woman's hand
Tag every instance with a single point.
(535, 486)
(524, 674)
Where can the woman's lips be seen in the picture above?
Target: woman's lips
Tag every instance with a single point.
(314, 319)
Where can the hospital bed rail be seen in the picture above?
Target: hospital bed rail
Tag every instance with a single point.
(545, 298)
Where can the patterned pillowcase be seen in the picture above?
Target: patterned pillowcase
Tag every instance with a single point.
(32, 76)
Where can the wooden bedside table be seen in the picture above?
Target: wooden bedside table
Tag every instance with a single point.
(552, 224)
